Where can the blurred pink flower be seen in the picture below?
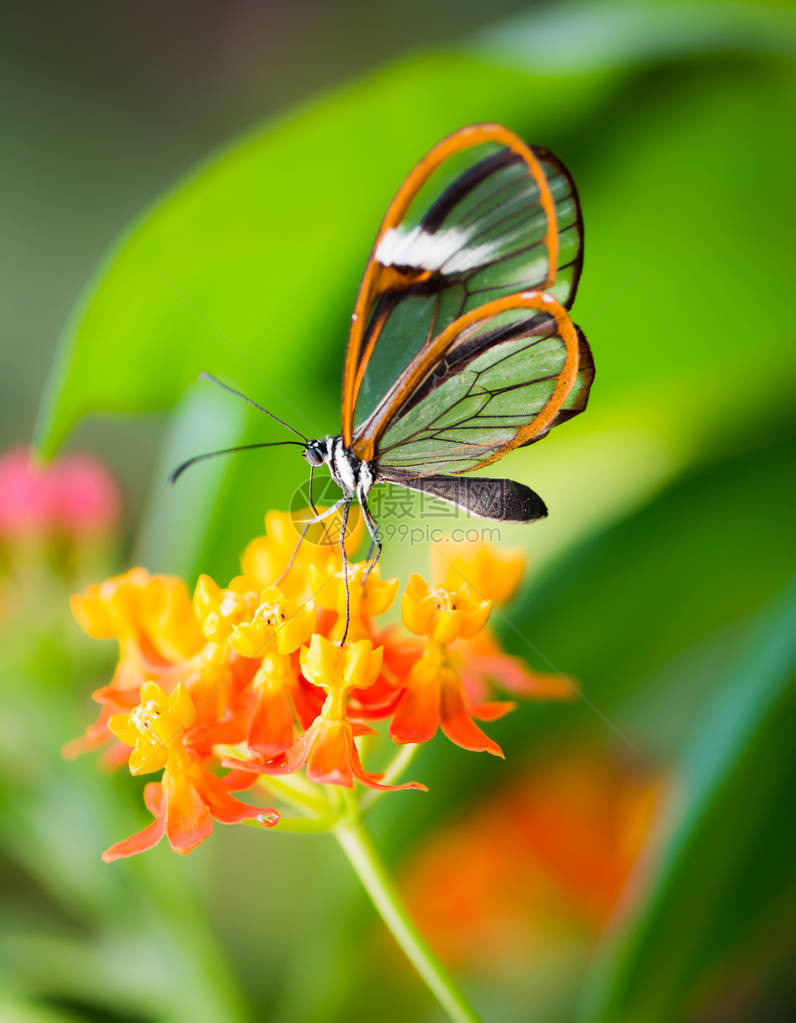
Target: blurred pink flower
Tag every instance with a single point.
(87, 497)
(74, 495)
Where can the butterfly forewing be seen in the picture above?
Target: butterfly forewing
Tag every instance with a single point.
(481, 217)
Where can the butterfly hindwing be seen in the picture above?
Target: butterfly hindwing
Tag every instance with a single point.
(497, 378)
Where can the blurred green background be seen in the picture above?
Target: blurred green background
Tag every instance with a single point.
(254, 148)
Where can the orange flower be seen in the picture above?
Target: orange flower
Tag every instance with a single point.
(154, 728)
(189, 796)
(327, 749)
(275, 625)
(483, 665)
(379, 700)
(434, 697)
(368, 598)
(276, 630)
(150, 615)
(495, 576)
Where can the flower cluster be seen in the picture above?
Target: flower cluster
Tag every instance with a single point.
(262, 679)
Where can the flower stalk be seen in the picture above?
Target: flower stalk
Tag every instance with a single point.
(358, 847)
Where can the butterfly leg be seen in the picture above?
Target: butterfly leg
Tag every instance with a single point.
(293, 555)
(326, 535)
(373, 529)
(319, 516)
(343, 527)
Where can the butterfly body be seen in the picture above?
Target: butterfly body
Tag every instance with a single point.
(496, 499)
(353, 475)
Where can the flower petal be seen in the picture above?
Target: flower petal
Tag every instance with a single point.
(492, 710)
(291, 760)
(512, 674)
(417, 715)
(271, 726)
(459, 726)
(224, 807)
(330, 759)
(140, 842)
(307, 702)
(373, 781)
(239, 781)
(188, 820)
(149, 837)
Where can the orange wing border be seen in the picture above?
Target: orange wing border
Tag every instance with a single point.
(366, 446)
(465, 138)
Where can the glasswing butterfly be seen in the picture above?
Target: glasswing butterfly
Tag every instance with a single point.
(461, 348)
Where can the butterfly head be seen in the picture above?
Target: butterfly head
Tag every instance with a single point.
(316, 452)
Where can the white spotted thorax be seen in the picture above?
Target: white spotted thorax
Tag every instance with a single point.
(351, 474)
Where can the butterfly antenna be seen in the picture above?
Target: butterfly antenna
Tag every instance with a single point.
(226, 451)
(239, 394)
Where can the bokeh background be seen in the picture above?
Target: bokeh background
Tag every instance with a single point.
(196, 186)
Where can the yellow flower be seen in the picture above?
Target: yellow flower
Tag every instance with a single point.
(339, 669)
(219, 611)
(367, 597)
(494, 574)
(275, 624)
(372, 596)
(155, 727)
(266, 558)
(443, 614)
(138, 608)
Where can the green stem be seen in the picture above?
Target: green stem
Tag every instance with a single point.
(373, 874)
(299, 825)
(286, 790)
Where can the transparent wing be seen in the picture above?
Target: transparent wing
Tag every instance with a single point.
(483, 216)
(497, 378)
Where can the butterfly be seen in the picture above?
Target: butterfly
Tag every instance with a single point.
(461, 347)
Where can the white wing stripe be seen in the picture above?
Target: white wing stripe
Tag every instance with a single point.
(432, 251)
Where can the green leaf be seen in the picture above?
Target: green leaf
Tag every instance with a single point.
(724, 875)
(577, 37)
(19, 1009)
